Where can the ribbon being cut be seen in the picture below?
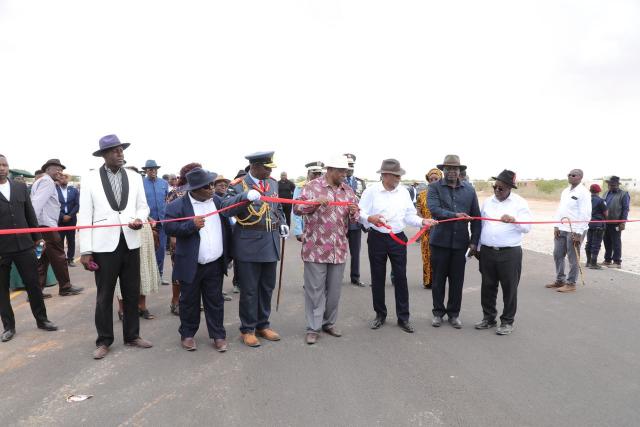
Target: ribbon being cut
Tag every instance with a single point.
(304, 202)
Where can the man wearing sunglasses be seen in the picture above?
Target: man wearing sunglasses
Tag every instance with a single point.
(573, 216)
(500, 251)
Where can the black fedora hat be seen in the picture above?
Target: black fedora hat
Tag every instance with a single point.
(52, 162)
(508, 177)
(108, 142)
(613, 180)
(198, 178)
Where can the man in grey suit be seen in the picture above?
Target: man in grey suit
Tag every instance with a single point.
(256, 245)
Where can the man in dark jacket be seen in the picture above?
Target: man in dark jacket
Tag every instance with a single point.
(201, 259)
(596, 229)
(256, 245)
(618, 202)
(16, 212)
(69, 199)
(451, 198)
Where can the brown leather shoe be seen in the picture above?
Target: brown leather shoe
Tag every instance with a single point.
(189, 344)
(567, 288)
(100, 352)
(331, 330)
(250, 339)
(220, 345)
(140, 343)
(311, 338)
(554, 285)
(268, 334)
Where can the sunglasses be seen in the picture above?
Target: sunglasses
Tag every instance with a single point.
(499, 188)
(572, 175)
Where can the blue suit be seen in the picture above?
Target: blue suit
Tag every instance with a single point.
(156, 192)
(70, 207)
(198, 280)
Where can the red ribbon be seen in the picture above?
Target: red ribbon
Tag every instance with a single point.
(305, 202)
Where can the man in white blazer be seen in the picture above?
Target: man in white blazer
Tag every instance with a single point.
(112, 194)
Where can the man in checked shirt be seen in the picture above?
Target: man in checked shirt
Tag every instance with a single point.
(325, 245)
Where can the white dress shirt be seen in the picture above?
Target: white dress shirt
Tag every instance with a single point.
(500, 234)
(210, 234)
(395, 206)
(5, 189)
(576, 205)
(65, 194)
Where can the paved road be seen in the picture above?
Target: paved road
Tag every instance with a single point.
(572, 361)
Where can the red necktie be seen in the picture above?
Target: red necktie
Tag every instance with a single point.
(262, 186)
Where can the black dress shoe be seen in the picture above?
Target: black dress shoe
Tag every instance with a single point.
(486, 324)
(47, 325)
(71, 290)
(356, 282)
(377, 322)
(455, 322)
(406, 326)
(436, 321)
(7, 335)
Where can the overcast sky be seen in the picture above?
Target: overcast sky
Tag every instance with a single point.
(537, 86)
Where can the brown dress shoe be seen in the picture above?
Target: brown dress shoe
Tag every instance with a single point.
(220, 345)
(331, 330)
(311, 338)
(555, 284)
(189, 344)
(268, 334)
(250, 339)
(100, 352)
(140, 343)
(567, 288)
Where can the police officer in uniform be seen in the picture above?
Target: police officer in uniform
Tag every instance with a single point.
(256, 245)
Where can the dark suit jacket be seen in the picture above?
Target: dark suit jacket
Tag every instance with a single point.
(17, 213)
(72, 204)
(254, 243)
(188, 238)
(444, 202)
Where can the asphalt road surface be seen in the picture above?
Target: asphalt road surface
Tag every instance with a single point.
(572, 360)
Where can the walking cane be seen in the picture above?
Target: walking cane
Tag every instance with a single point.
(575, 248)
(280, 279)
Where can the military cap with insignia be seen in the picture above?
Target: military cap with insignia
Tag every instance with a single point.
(262, 157)
(314, 166)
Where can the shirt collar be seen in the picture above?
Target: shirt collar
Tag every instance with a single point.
(384, 190)
(256, 180)
(109, 170)
(198, 202)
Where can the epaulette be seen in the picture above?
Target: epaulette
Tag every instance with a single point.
(236, 181)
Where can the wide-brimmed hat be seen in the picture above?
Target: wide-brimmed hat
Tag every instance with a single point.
(150, 164)
(506, 176)
(391, 166)
(337, 162)
(263, 157)
(221, 178)
(452, 160)
(108, 142)
(613, 180)
(52, 162)
(198, 178)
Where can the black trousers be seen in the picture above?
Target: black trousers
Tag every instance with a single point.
(612, 243)
(381, 247)
(257, 281)
(594, 242)
(500, 266)
(207, 285)
(286, 207)
(355, 242)
(70, 237)
(27, 266)
(448, 264)
(54, 254)
(123, 263)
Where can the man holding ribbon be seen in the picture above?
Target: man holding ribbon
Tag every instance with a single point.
(256, 245)
(325, 245)
(500, 251)
(386, 208)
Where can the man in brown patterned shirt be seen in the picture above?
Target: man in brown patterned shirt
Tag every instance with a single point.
(325, 246)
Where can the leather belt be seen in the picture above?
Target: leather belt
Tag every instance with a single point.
(259, 227)
(504, 248)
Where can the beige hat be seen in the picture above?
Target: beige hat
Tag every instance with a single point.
(337, 162)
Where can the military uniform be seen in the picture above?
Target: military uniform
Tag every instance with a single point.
(256, 244)
(355, 229)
